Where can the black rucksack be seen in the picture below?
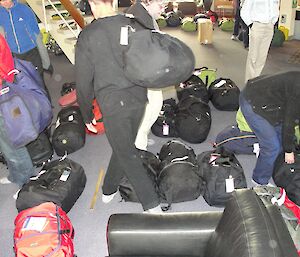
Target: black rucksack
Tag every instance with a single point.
(151, 164)
(193, 86)
(224, 94)
(216, 167)
(69, 134)
(164, 126)
(287, 176)
(193, 120)
(178, 179)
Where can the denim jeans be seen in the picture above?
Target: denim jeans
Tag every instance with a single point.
(18, 160)
(270, 142)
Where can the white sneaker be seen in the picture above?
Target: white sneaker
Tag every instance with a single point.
(156, 209)
(233, 37)
(5, 181)
(108, 198)
(260, 185)
(15, 196)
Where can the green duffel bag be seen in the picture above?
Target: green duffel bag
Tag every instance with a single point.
(188, 24)
(206, 75)
(278, 38)
(161, 22)
(227, 25)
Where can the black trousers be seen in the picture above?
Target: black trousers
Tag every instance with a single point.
(34, 57)
(121, 130)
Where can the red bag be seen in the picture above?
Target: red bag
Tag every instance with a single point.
(44, 230)
(6, 61)
(68, 99)
(98, 116)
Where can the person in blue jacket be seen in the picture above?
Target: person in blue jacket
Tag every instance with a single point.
(22, 32)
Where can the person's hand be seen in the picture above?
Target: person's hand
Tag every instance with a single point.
(289, 158)
(91, 126)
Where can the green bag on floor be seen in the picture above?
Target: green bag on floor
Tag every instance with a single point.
(206, 75)
(278, 38)
(226, 25)
(161, 22)
(188, 24)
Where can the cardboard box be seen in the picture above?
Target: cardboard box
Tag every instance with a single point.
(205, 31)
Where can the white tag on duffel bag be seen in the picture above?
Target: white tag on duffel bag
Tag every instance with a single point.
(229, 182)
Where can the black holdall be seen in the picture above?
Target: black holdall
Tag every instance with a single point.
(193, 86)
(224, 94)
(164, 126)
(69, 134)
(193, 120)
(154, 59)
(222, 174)
(60, 181)
(287, 176)
(151, 164)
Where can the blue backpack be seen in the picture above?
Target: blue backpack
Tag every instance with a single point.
(24, 105)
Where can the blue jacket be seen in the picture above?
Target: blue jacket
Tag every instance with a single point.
(20, 26)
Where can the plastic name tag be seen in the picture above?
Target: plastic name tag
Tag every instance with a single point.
(65, 175)
(229, 183)
(71, 118)
(4, 90)
(124, 36)
(221, 83)
(35, 223)
(165, 129)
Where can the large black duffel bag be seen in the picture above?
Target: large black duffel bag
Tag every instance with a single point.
(288, 176)
(224, 94)
(60, 182)
(222, 173)
(69, 134)
(193, 119)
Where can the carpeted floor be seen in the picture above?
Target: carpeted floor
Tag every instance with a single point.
(227, 56)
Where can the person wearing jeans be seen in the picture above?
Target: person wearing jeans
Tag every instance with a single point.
(271, 107)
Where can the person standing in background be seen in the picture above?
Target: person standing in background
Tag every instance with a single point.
(149, 11)
(260, 16)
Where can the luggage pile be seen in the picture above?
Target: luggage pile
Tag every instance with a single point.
(179, 175)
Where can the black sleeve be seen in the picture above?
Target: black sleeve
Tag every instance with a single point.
(84, 72)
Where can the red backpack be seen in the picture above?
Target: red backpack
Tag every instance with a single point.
(44, 230)
(99, 120)
(6, 61)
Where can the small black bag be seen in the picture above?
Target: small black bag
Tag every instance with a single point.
(151, 164)
(224, 94)
(166, 118)
(193, 86)
(69, 134)
(287, 176)
(193, 120)
(60, 182)
(215, 167)
(40, 150)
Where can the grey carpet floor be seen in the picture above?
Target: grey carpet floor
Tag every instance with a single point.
(229, 57)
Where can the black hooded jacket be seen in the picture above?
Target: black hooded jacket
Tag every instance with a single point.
(277, 99)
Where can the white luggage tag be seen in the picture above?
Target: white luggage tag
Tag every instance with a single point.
(229, 183)
(220, 83)
(124, 36)
(256, 149)
(165, 129)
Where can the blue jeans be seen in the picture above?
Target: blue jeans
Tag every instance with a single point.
(18, 160)
(269, 138)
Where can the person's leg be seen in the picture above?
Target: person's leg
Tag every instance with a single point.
(237, 21)
(245, 31)
(18, 160)
(269, 143)
(153, 107)
(121, 130)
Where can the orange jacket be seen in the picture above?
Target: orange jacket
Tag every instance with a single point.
(6, 61)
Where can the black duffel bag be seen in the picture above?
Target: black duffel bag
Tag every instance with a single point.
(287, 176)
(224, 94)
(60, 182)
(164, 126)
(222, 173)
(193, 86)
(69, 134)
(151, 164)
(193, 120)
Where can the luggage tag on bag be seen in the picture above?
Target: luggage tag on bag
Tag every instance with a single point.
(221, 83)
(65, 175)
(165, 129)
(229, 184)
(256, 149)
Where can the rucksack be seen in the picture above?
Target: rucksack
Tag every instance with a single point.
(154, 59)
(24, 105)
(193, 86)
(99, 120)
(43, 230)
(222, 173)
(224, 94)
(178, 179)
(69, 134)
(287, 176)
(164, 126)
(193, 119)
